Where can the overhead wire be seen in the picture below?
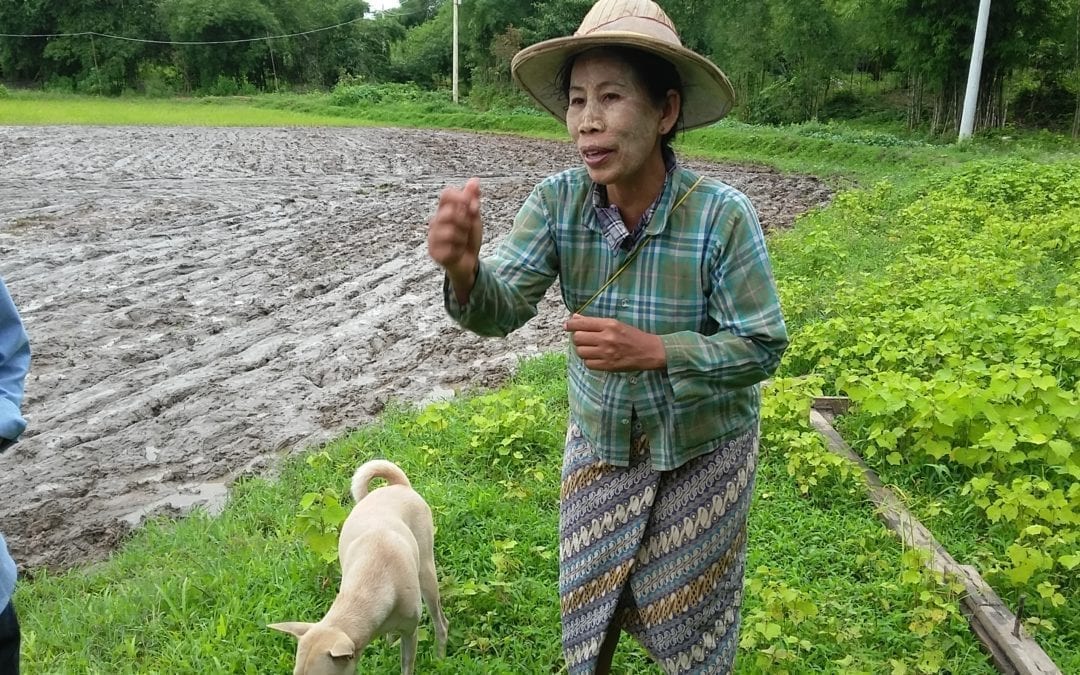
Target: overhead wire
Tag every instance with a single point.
(93, 34)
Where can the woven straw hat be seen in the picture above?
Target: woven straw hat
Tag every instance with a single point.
(639, 24)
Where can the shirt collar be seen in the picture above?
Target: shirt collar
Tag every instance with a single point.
(616, 233)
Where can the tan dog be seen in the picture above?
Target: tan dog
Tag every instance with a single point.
(387, 558)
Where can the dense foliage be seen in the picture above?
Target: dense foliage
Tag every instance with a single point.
(962, 358)
(790, 60)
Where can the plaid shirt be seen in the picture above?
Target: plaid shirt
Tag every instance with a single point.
(703, 283)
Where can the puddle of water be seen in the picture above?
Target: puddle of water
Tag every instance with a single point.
(210, 496)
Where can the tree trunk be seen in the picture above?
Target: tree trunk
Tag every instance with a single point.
(914, 117)
(1076, 118)
(1076, 70)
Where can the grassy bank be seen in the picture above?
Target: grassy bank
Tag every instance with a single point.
(918, 294)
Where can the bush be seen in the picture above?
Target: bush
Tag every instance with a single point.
(778, 103)
(91, 84)
(59, 83)
(225, 85)
(349, 95)
(1048, 104)
(160, 81)
(841, 134)
(4, 93)
(843, 105)
(501, 98)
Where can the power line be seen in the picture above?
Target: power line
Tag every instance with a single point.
(184, 42)
(93, 34)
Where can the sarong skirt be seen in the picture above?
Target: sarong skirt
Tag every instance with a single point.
(661, 552)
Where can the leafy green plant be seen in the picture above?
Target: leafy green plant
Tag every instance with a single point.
(786, 429)
(932, 618)
(962, 357)
(319, 522)
(373, 95)
(321, 516)
(769, 631)
(508, 427)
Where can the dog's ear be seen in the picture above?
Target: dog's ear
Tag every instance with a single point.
(343, 648)
(297, 628)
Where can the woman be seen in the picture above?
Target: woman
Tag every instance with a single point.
(674, 322)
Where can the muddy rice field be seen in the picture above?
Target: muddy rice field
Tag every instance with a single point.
(201, 301)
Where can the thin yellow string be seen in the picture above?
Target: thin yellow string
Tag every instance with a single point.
(634, 255)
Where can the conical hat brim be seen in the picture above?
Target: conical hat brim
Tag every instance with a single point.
(707, 94)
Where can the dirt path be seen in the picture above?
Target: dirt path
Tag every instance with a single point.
(201, 300)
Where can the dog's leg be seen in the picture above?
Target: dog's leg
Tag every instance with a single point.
(408, 651)
(429, 589)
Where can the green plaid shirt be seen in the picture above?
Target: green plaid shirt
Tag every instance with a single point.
(703, 283)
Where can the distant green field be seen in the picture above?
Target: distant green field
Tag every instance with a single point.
(42, 109)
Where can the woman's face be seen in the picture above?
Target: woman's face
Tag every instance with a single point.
(614, 123)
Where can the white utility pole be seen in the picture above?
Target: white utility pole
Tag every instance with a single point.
(456, 4)
(971, 97)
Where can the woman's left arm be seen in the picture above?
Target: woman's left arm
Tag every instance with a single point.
(751, 335)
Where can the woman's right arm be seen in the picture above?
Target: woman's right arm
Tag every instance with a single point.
(505, 287)
(455, 234)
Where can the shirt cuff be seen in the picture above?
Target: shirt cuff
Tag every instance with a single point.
(11, 422)
(460, 311)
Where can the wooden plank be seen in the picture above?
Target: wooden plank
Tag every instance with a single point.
(990, 619)
(986, 640)
(834, 405)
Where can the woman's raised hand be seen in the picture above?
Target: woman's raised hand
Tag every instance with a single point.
(455, 233)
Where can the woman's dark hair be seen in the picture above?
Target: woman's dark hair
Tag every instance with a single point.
(655, 73)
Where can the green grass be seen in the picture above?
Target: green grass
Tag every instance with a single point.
(41, 109)
(194, 595)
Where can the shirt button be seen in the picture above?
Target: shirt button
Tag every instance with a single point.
(625, 303)
(633, 380)
(625, 420)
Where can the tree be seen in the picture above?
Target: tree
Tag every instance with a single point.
(1070, 78)
(23, 58)
(365, 50)
(484, 20)
(809, 52)
(415, 12)
(553, 18)
(932, 41)
(694, 21)
(221, 21)
(424, 55)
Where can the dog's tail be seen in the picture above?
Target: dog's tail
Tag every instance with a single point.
(377, 468)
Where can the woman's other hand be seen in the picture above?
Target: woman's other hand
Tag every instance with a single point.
(608, 344)
(455, 233)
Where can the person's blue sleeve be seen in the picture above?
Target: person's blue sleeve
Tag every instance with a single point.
(8, 574)
(14, 364)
